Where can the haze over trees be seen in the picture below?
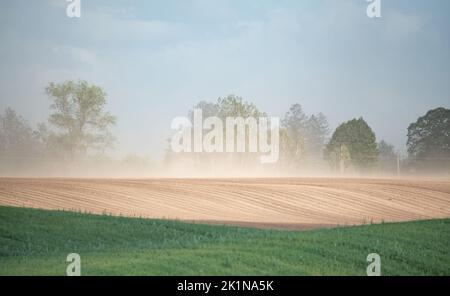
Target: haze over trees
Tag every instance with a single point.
(387, 158)
(19, 143)
(304, 136)
(229, 106)
(17, 138)
(79, 127)
(352, 143)
(79, 120)
(78, 124)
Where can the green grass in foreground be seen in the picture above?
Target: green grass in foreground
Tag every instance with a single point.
(36, 242)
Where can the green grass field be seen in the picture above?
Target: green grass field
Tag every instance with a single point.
(36, 242)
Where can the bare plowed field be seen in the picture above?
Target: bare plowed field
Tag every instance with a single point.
(277, 202)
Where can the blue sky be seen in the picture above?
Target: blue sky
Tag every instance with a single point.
(156, 59)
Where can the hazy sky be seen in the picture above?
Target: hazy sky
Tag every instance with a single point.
(156, 59)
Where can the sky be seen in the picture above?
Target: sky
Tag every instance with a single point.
(157, 59)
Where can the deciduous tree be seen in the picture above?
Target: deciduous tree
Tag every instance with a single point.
(79, 117)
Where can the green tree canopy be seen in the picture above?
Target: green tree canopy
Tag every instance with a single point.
(79, 117)
(295, 122)
(306, 134)
(317, 129)
(359, 139)
(430, 134)
(235, 106)
(229, 106)
(429, 138)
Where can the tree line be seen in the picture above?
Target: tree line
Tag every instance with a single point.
(79, 125)
(306, 141)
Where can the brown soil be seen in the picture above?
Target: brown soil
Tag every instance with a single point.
(288, 203)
